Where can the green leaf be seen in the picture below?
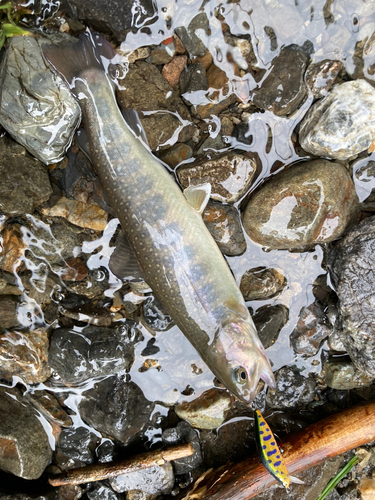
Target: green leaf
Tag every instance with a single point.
(11, 30)
(334, 481)
(2, 38)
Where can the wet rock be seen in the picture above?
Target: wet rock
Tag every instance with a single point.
(230, 176)
(69, 492)
(79, 213)
(24, 445)
(139, 495)
(92, 315)
(24, 355)
(135, 55)
(205, 60)
(211, 145)
(172, 71)
(351, 264)
(47, 404)
(192, 43)
(155, 316)
(106, 451)
(292, 389)
(364, 180)
(216, 77)
(75, 270)
(363, 56)
(117, 408)
(8, 283)
(223, 222)
(147, 90)
(92, 352)
(99, 491)
(24, 181)
(342, 375)
(154, 480)
(335, 341)
(262, 283)
(208, 411)
(269, 321)
(311, 330)
(78, 444)
(32, 101)
(8, 312)
(321, 76)
(310, 203)
(40, 288)
(342, 124)
(176, 154)
(193, 79)
(283, 89)
(13, 248)
(213, 105)
(182, 434)
(241, 51)
(158, 56)
(117, 17)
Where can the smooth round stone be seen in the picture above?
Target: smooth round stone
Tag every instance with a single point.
(342, 124)
(343, 376)
(260, 283)
(310, 203)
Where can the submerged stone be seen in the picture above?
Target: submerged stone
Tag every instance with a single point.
(292, 389)
(269, 321)
(261, 283)
(81, 214)
(321, 76)
(309, 203)
(343, 376)
(342, 124)
(311, 330)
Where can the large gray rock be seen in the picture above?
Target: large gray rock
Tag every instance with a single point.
(352, 264)
(36, 107)
(24, 445)
(342, 124)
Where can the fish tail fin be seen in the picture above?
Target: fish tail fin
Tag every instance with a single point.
(70, 59)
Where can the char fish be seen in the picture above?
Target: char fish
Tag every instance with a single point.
(166, 236)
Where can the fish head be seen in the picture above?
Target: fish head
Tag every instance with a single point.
(242, 359)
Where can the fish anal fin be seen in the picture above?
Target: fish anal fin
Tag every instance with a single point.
(134, 123)
(123, 262)
(198, 196)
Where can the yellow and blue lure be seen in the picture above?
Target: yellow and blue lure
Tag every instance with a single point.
(269, 452)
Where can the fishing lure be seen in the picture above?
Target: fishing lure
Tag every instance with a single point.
(269, 452)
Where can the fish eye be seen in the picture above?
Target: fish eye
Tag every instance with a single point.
(240, 375)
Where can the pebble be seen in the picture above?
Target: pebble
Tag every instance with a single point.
(192, 43)
(135, 55)
(155, 315)
(230, 176)
(9, 312)
(13, 248)
(342, 124)
(269, 321)
(158, 480)
(77, 444)
(343, 376)
(351, 265)
(99, 491)
(310, 331)
(24, 447)
(24, 355)
(364, 179)
(215, 105)
(292, 389)
(8, 283)
(181, 434)
(321, 76)
(158, 56)
(205, 60)
(47, 404)
(81, 214)
(208, 411)
(223, 222)
(260, 283)
(367, 488)
(75, 270)
(193, 79)
(24, 181)
(176, 154)
(172, 71)
(309, 203)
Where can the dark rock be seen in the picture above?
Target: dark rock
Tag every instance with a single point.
(181, 434)
(147, 90)
(283, 89)
(364, 180)
(47, 404)
(154, 480)
(352, 264)
(33, 101)
(342, 375)
(269, 320)
(78, 444)
(262, 283)
(292, 389)
(159, 56)
(106, 451)
(230, 176)
(155, 316)
(92, 352)
(117, 408)
(99, 491)
(113, 17)
(193, 79)
(223, 222)
(40, 288)
(211, 145)
(309, 203)
(24, 445)
(311, 330)
(192, 43)
(8, 312)
(150, 349)
(321, 76)
(24, 181)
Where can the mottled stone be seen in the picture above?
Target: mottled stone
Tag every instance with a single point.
(343, 376)
(309, 203)
(208, 411)
(292, 389)
(176, 154)
(79, 213)
(215, 105)
(193, 79)
(310, 331)
(283, 89)
(47, 404)
(321, 76)
(262, 283)
(100, 491)
(156, 480)
(24, 355)
(24, 181)
(342, 124)
(269, 320)
(75, 270)
(12, 248)
(36, 107)
(9, 312)
(230, 176)
(135, 55)
(172, 71)
(351, 264)
(192, 43)
(155, 316)
(223, 222)
(145, 89)
(364, 180)
(24, 446)
(40, 288)
(182, 434)
(216, 77)
(158, 56)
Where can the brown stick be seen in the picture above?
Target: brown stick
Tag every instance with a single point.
(112, 469)
(325, 439)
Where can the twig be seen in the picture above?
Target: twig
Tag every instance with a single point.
(112, 469)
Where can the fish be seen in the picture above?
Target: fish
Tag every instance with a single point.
(166, 240)
(269, 452)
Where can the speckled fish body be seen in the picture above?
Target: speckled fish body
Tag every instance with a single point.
(269, 451)
(179, 258)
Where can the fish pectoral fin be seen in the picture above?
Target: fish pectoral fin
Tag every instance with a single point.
(296, 480)
(123, 262)
(198, 196)
(134, 123)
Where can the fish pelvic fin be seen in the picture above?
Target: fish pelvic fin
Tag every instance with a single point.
(71, 59)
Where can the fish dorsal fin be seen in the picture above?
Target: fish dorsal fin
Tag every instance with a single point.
(123, 262)
(198, 196)
(233, 305)
(134, 123)
(295, 480)
(83, 142)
